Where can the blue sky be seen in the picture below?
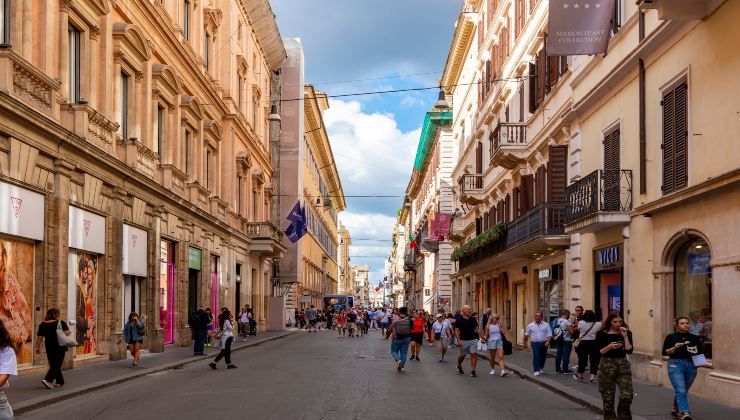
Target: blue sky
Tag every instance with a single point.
(358, 46)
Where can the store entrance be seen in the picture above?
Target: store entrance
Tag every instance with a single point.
(608, 292)
(192, 290)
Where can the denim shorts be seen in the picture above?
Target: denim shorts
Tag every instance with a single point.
(495, 344)
(6, 412)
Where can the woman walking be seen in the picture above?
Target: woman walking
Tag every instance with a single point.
(680, 347)
(226, 325)
(614, 342)
(442, 332)
(586, 346)
(493, 336)
(132, 334)
(8, 367)
(417, 334)
(54, 351)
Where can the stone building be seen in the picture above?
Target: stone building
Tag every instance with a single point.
(135, 167)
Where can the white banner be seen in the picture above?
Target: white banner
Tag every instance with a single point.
(21, 212)
(134, 251)
(86, 230)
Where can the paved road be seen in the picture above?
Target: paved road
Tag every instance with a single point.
(320, 376)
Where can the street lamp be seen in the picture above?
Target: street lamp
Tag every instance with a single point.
(441, 103)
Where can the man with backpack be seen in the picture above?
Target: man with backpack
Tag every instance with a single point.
(563, 341)
(400, 330)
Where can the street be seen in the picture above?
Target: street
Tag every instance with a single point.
(318, 376)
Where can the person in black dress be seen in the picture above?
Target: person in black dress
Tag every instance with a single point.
(54, 352)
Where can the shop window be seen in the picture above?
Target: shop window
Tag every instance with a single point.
(131, 297)
(693, 289)
(74, 63)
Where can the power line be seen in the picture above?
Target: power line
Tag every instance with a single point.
(399, 76)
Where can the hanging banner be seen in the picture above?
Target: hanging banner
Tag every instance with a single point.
(579, 27)
(21, 212)
(86, 230)
(134, 261)
(441, 226)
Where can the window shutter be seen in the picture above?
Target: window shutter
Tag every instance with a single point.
(527, 192)
(486, 220)
(563, 64)
(611, 150)
(517, 207)
(668, 146)
(518, 15)
(558, 174)
(479, 158)
(541, 76)
(540, 180)
(553, 71)
(532, 88)
(507, 208)
(682, 136)
(611, 176)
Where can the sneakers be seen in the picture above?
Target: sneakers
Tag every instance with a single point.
(399, 366)
(492, 372)
(47, 384)
(537, 373)
(460, 371)
(230, 366)
(504, 373)
(212, 365)
(577, 378)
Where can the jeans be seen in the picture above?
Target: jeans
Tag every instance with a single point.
(539, 352)
(682, 374)
(225, 352)
(200, 341)
(55, 367)
(400, 349)
(562, 357)
(6, 412)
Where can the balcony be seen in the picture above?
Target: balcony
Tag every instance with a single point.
(409, 261)
(23, 81)
(681, 9)
(471, 189)
(508, 145)
(537, 232)
(598, 201)
(266, 239)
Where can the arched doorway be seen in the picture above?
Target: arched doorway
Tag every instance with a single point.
(692, 287)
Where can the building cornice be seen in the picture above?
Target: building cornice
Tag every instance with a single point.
(461, 41)
(265, 27)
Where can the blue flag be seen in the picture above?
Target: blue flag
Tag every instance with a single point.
(297, 227)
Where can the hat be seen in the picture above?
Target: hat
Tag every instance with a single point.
(440, 316)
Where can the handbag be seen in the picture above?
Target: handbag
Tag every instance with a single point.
(437, 336)
(64, 339)
(508, 348)
(141, 330)
(699, 360)
(578, 340)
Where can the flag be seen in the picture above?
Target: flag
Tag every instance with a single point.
(441, 225)
(579, 27)
(297, 227)
(412, 242)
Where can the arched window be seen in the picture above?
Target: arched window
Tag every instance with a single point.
(693, 288)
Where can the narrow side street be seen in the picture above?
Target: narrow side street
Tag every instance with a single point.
(317, 376)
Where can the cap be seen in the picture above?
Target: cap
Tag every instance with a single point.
(440, 316)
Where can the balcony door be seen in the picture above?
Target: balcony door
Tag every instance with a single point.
(611, 171)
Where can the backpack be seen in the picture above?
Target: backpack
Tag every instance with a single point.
(557, 332)
(403, 329)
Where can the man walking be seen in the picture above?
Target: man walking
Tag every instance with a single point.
(312, 316)
(467, 333)
(442, 331)
(540, 334)
(400, 330)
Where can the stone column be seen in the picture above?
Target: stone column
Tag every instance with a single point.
(55, 283)
(63, 48)
(27, 31)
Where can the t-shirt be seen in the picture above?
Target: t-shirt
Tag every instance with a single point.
(311, 314)
(351, 317)
(468, 328)
(244, 317)
(48, 330)
(441, 328)
(584, 326)
(685, 352)
(603, 339)
(385, 316)
(563, 324)
(8, 364)
(418, 325)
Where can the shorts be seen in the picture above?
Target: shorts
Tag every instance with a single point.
(351, 325)
(311, 322)
(469, 346)
(135, 341)
(444, 342)
(384, 324)
(342, 326)
(417, 337)
(495, 344)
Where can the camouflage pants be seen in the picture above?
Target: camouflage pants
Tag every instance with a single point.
(613, 373)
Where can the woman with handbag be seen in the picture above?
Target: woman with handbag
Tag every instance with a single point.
(685, 353)
(133, 333)
(493, 335)
(56, 337)
(585, 346)
(225, 337)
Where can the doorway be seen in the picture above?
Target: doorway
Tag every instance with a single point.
(193, 289)
(520, 311)
(238, 299)
(609, 292)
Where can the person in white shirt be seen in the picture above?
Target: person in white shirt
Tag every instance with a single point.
(226, 327)
(8, 367)
(539, 334)
(442, 332)
(385, 321)
(244, 323)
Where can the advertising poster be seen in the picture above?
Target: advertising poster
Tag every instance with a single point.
(82, 297)
(16, 295)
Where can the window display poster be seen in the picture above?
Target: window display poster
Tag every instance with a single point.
(16, 295)
(82, 290)
(699, 263)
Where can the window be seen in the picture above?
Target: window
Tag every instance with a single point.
(206, 50)
(617, 16)
(254, 205)
(675, 138)
(239, 31)
(160, 131)
(4, 22)
(74, 63)
(240, 93)
(255, 112)
(186, 19)
(693, 289)
(239, 187)
(187, 152)
(124, 105)
(208, 169)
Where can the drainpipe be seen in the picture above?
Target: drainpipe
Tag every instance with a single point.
(642, 122)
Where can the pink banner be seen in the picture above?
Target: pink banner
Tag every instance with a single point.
(441, 225)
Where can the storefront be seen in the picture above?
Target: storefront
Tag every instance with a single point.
(551, 291)
(21, 229)
(167, 290)
(195, 264)
(608, 279)
(134, 268)
(86, 246)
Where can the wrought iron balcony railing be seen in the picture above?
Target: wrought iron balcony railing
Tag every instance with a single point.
(599, 191)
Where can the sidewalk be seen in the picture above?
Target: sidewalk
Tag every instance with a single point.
(651, 401)
(27, 393)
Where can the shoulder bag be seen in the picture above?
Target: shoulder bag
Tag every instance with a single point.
(508, 348)
(578, 340)
(141, 330)
(64, 339)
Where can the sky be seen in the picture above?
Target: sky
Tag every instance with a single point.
(353, 46)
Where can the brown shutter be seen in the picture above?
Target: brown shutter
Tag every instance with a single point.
(682, 136)
(675, 136)
(563, 64)
(558, 174)
(507, 208)
(527, 192)
(539, 182)
(541, 76)
(479, 158)
(532, 87)
(552, 71)
(485, 221)
(516, 207)
(611, 174)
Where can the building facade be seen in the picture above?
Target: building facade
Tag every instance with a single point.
(346, 286)
(362, 284)
(137, 132)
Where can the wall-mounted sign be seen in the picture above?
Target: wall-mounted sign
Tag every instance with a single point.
(544, 273)
(607, 258)
(21, 212)
(86, 230)
(134, 260)
(195, 257)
